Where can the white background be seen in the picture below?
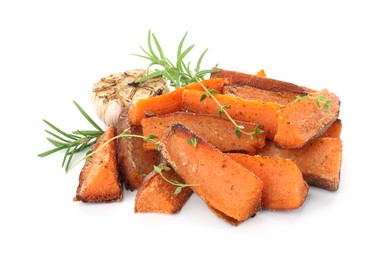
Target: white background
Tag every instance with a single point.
(51, 52)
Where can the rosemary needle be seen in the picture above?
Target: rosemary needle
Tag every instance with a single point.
(73, 142)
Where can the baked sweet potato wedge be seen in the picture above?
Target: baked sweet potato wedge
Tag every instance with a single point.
(134, 162)
(219, 132)
(284, 187)
(251, 93)
(260, 82)
(261, 113)
(306, 118)
(319, 160)
(99, 178)
(157, 195)
(225, 185)
(171, 101)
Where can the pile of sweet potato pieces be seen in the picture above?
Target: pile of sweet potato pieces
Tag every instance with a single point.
(235, 177)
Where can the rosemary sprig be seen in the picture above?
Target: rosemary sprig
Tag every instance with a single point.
(321, 100)
(179, 186)
(179, 74)
(74, 142)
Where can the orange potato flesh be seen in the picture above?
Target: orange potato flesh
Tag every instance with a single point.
(99, 177)
(284, 187)
(171, 101)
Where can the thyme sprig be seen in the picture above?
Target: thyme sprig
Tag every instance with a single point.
(74, 142)
(239, 129)
(179, 74)
(321, 100)
(179, 186)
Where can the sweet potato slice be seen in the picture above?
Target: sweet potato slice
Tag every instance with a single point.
(134, 162)
(99, 177)
(251, 93)
(263, 114)
(225, 185)
(217, 131)
(306, 119)
(170, 102)
(334, 130)
(284, 187)
(261, 82)
(157, 195)
(319, 160)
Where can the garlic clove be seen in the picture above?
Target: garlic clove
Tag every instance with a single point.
(118, 91)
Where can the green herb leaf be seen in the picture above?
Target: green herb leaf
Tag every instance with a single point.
(213, 91)
(156, 169)
(301, 97)
(317, 100)
(327, 104)
(203, 97)
(166, 168)
(149, 138)
(193, 142)
(178, 190)
(238, 132)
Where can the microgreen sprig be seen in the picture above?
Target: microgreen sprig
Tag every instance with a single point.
(321, 100)
(74, 142)
(179, 186)
(179, 74)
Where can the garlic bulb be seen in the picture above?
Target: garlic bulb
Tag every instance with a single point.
(118, 91)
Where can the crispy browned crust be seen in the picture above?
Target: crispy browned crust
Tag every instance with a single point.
(225, 217)
(223, 184)
(334, 130)
(318, 181)
(260, 82)
(134, 162)
(257, 94)
(157, 195)
(99, 179)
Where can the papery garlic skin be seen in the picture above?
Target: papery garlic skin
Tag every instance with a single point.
(118, 91)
